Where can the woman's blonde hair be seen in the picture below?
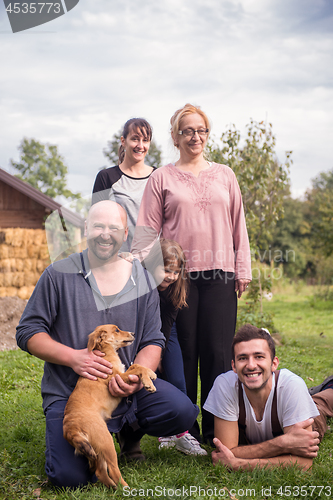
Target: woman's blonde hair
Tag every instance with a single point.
(188, 109)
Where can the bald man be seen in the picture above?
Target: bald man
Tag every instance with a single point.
(73, 297)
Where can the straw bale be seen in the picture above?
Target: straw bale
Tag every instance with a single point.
(19, 252)
(9, 291)
(4, 251)
(9, 235)
(44, 252)
(2, 237)
(5, 265)
(1, 279)
(19, 265)
(25, 292)
(30, 278)
(7, 279)
(30, 265)
(33, 251)
(18, 280)
(12, 265)
(41, 265)
(18, 237)
(29, 237)
(40, 237)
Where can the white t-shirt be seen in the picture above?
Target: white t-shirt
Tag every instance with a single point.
(294, 404)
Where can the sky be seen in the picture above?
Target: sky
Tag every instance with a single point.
(74, 81)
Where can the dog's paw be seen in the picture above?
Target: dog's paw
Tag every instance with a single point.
(150, 388)
(152, 375)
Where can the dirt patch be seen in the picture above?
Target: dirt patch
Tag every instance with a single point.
(11, 309)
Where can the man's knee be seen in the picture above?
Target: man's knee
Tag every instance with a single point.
(185, 412)
(62, 466)
(70, 477)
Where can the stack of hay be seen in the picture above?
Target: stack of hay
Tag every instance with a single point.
(23, 257)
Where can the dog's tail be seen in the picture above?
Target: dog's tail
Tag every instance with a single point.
(96, 443)
(80, 441)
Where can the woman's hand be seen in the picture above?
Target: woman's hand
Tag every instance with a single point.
(240, 286)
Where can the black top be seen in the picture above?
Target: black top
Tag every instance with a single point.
(168, 314)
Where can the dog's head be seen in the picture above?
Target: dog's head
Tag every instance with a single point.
(106, 335)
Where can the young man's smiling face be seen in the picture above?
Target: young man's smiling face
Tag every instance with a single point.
(254, 364)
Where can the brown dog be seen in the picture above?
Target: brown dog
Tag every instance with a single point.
(91, 404)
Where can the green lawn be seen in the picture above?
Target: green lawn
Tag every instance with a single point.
(306, 334)
(305, 328)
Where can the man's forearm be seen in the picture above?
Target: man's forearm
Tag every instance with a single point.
(223, 455)
(266, 449)
(283, 460)
(149, 356)
(44, 347)
(85, 363)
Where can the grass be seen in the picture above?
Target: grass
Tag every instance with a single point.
(167, 474)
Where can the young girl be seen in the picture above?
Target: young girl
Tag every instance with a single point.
(170, 275)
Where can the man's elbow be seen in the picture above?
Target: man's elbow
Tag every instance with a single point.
(306, 463)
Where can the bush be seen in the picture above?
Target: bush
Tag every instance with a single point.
(252, 312)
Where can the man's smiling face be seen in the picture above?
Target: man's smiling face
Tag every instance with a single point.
(253, 364)
(105, 230)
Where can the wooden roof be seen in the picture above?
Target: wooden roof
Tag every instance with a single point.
(41, 198)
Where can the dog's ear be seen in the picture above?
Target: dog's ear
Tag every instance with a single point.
(93, 339)
(98, 336)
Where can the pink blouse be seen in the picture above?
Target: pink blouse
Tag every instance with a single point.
(203, 214)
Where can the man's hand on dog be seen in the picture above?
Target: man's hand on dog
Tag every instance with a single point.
(118, 387)
(91, 364)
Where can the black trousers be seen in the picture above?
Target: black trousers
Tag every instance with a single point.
(205, 332)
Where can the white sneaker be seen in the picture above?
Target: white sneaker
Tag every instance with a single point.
(167, 442)
(189, 445)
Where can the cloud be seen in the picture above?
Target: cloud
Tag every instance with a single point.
(105, 63)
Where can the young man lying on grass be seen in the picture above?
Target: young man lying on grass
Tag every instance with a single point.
(264, 416)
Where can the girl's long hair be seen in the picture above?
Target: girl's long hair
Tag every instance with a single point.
(171, 252)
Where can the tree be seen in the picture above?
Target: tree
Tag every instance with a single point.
(111, 151)
(263, 180)
(153, 157)
(292, 242)
(43, 167)
(320, 199)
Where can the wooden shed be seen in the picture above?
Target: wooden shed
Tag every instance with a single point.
(24, 249)
(21, 205)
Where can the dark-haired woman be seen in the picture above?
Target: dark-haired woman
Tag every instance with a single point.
(125, 183)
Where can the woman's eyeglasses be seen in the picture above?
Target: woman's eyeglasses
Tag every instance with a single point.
(190, 132)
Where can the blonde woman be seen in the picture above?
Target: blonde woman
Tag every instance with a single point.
(199, 204)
